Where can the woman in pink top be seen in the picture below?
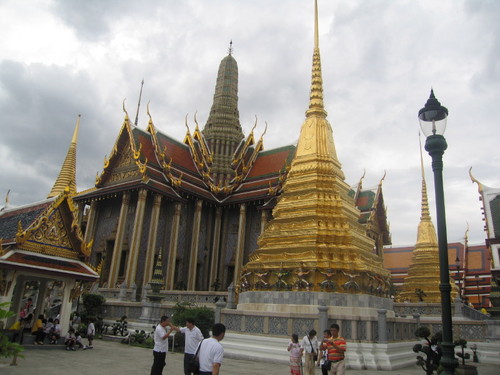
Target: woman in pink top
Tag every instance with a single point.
(295, 355)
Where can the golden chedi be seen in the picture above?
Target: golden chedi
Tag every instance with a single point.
(314, 241)
(422, 282)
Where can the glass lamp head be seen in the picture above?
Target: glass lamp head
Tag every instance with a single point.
(433, 117)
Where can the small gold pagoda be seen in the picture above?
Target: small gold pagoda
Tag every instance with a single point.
(422, 282)
(67, 175)
(314, 241)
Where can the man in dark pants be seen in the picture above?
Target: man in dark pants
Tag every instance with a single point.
(161, 345)
(192, 337)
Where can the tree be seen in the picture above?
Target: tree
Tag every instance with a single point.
(7, 348)
(203, 317)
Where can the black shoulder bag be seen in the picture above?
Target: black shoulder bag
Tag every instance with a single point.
(194, 362)
(315, 356)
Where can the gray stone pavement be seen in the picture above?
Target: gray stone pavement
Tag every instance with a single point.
(119, 359)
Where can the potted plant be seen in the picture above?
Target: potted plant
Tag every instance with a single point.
(431, 349)
(464, 369)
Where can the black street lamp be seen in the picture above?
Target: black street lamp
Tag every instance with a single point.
(457, 264)
(433, 124)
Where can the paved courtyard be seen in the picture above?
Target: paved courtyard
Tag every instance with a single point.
(118, 359)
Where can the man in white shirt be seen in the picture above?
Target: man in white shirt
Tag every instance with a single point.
(211, 352)
(161, 345)
(192, 337)
(310, 346)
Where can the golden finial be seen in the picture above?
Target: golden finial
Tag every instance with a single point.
(316, 33)
(383, 177)
(479, 185)
(19, 227)
(6, 200)
(254, 125)
(147, 111)
(67, 175)
(360, 184)
(265, 130)
(196, 121)
(151, 126)
(186, 122)
(316, 105)
(425, 202)
(124, 110)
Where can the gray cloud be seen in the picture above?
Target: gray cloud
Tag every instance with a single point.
(379, 60)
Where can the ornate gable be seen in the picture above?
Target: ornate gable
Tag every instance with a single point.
(125, 162)
(55, 231)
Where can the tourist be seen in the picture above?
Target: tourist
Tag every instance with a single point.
(15, 329)
(78, 341)
(336, 353)
(192, 337)
(161, 345)
(48, 327)
(323, 352)
(27, 309)
(55, 333)
(310, 347)
(295, 355)
(90, 334)
(37, 330)
(211, 352)
(70, 339)
(75, 323)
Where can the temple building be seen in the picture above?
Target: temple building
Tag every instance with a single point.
(201, 204)
(43, 259)
(490, 197)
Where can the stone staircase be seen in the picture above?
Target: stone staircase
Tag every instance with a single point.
(256, 347)
(359, 356)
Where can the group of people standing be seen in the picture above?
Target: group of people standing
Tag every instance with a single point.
(328, 353)
(209, 353)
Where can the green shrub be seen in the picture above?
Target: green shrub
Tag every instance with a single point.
(8, 348)
(93, 307)
(203, 316)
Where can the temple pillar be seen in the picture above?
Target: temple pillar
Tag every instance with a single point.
(172, 252)
(240, 247)
(222, 271)
(214, 263)
(153, 234)
(195, 239)
(322, 318)
(136, 239)
(40, 303)
(117, 248)
(91, 222)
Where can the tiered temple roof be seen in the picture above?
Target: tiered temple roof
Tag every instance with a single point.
(45, 237)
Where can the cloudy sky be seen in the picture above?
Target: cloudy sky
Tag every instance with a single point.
(61, 58)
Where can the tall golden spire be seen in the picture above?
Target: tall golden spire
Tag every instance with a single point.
(314, 241)
(67, 175)
(422, 282)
